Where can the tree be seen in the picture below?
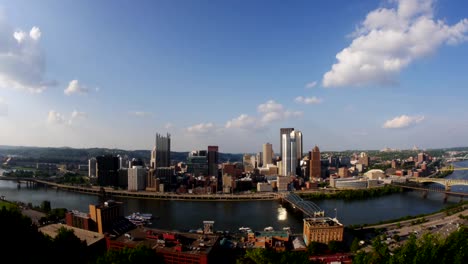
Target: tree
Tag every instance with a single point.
(354, 245)
(45, 206)
(336, 246)
(140, 254)
(316, 248)
(67, 247)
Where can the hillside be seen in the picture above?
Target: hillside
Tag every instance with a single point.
(55, 155)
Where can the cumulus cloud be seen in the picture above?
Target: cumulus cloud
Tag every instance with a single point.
(308, 100)
(268, 112)
(141, 113)
(74, 87)
(311, 84)
(57, 118)
(201, 128)
(243, 121)
(403, 121)
(35, 33)
(22, 61)
(272, 111)
(388, 40)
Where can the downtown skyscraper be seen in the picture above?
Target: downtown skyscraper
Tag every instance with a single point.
(161, 153)
(291, 151)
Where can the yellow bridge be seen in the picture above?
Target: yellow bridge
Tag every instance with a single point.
(446, 182)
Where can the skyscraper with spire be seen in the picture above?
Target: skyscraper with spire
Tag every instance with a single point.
(161, 153)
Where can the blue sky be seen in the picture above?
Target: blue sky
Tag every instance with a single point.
(348, 74)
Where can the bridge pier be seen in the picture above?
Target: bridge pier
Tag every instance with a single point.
(445, 197)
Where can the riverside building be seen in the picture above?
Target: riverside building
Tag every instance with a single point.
(322, 230)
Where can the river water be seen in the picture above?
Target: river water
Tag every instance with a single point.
(184, 215)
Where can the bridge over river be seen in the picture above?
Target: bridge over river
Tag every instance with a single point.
(309, 208)
(447, 183)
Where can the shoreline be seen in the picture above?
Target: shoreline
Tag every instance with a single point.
(98, 191)
(448, 210)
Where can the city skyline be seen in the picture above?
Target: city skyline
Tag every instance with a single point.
(385, 74)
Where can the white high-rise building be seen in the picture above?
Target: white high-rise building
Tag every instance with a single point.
(291, 144)
(136, 178)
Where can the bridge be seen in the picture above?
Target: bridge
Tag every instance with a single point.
(430, 189)
(309, 208)
(445, 182)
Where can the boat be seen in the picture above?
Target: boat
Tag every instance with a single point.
(268, 228)
(138, 218)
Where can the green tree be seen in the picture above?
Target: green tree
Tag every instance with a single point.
(140, 254)
(336, 246)
(455, 248)
(317, 248)
(354, 245)
(67, 247)
(45, 206)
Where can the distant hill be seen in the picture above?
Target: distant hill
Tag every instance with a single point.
(67, 154)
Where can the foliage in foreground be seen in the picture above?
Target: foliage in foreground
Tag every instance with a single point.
(19, 233)
(428, 249)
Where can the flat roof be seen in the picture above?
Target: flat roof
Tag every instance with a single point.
(322, 221)
(200, 244)
(89, 236)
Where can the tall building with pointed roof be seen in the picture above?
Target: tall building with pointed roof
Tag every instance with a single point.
(315, 164)
(161, 153)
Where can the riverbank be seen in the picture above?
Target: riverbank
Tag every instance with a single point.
(358, 194)
(415, 219)
(110, 192)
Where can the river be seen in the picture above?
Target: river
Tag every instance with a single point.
(184, 215)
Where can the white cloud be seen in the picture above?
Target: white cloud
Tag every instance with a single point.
(140, 113)
(168, 125)
(270, 106)
(308, 100)
(243, 121)
(272, 111)
(311, 84)
(74, 87)
(403, 121)
(201, 128)
(388, 40)
(35, 33)
(77, 115)
(19, 36)
(22, 61)
(3, 107)
(57, 118)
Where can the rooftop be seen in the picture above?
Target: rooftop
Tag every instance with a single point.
(322, 221)
(163, 240)
(89, 236)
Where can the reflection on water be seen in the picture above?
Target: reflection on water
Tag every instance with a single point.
(282, 214)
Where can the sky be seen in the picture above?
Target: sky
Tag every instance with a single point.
(355, 74)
